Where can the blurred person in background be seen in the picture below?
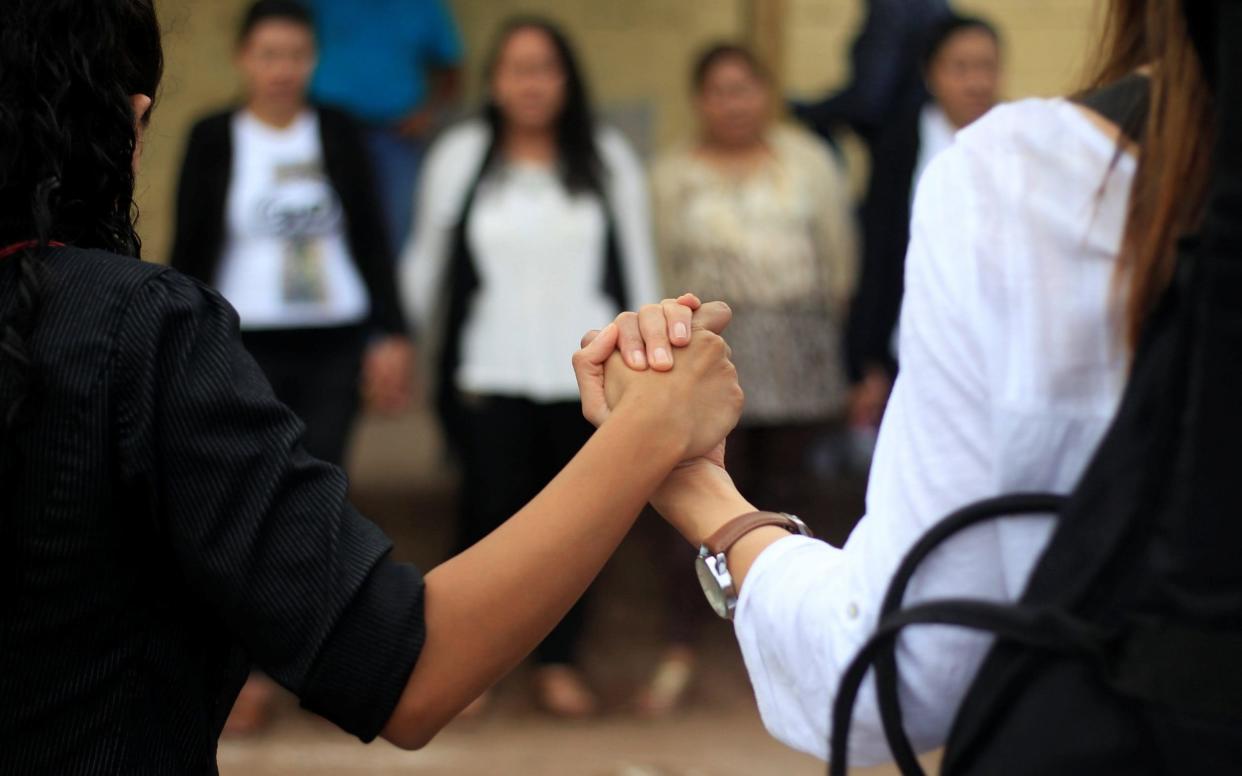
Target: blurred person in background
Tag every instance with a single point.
(885, 79)
(962, 70)
(533, 224)
(277, 209)
(758, 215)
(396, 66)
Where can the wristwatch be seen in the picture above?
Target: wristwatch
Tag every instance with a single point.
(712, 565)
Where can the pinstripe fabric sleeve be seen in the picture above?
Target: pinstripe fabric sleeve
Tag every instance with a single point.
(262, 532)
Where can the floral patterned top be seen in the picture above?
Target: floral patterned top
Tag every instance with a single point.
(779, 245)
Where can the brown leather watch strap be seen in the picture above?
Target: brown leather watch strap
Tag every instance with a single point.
(730, 532)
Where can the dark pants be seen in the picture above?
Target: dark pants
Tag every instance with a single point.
(510, 449)
(315, 371)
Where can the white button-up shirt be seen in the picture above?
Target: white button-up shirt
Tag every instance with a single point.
(1012, 366)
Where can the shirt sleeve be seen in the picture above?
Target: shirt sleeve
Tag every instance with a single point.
(260, 532)
(444, 48)
(664, 186)
(836, 233)
(631, 205)
(442, 188)
(805, 607)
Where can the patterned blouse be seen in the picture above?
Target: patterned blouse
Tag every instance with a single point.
(779, 245)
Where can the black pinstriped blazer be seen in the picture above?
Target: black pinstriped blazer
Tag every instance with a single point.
(161, 529)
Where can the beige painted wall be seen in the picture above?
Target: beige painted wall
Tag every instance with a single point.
(1045, 42)
(636, 53)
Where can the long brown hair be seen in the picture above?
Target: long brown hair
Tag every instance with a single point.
(1170, 184)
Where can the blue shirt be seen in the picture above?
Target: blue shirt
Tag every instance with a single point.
(374, 54)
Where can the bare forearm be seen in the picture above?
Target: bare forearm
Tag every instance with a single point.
(702, 499)
(445, 88)
(491, 605)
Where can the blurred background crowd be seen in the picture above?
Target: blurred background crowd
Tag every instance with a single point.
(418, 206)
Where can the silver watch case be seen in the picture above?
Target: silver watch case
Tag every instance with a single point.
(717, 581)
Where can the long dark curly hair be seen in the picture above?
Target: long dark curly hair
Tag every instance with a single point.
(581, 169)
(68, 69)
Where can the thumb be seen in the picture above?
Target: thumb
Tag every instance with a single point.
(713, 316)
(597, 346)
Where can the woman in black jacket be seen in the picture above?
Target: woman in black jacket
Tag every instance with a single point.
(277, 210)
(961, 68)
(162, 527)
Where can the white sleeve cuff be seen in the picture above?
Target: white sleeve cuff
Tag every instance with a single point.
(791, 671)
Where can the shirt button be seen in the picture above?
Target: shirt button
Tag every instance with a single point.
(851, 611)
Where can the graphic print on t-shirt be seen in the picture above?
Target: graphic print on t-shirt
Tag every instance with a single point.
(286, 261)
(302, 210)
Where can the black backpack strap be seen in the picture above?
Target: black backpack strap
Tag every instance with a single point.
(1046, 629)
(1125, 103)
(886, 671)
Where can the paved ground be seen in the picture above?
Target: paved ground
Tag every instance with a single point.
(718, 734)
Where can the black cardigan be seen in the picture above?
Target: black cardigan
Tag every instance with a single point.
(203, 191)
(164, 531)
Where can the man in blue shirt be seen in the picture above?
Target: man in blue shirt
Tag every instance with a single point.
(395, 65)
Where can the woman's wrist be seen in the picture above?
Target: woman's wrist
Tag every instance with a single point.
(664, 428)
(698, 498)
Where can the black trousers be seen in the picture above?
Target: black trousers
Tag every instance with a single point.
(315, 371)
(510, 449)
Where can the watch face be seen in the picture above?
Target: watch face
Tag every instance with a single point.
(711, 587)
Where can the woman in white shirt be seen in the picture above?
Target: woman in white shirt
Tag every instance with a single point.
(1014, 351)
(533, 225)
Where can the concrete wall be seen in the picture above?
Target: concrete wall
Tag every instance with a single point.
(1045, 42)
(636, 52)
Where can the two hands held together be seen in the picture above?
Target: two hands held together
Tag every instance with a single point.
(667, 367)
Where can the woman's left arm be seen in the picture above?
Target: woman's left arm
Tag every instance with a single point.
(631, 205)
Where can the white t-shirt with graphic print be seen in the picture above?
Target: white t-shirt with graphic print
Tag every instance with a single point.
(286, 263)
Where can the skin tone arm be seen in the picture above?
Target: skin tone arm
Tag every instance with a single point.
(445, 88)
(488, 607)
(386, 374)
(698, 497)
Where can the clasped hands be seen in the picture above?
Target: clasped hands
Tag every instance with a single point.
(666, 366)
